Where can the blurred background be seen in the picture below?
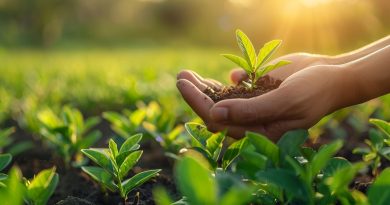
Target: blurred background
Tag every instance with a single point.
(109, 55)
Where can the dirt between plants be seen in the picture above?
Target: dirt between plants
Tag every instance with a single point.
(263, 85)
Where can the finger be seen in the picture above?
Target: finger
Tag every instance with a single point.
(195, 98)
(258, 110)
(237, 75)
(188, 75)
(198, 80)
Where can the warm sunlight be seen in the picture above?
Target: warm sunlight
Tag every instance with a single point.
(314, 3)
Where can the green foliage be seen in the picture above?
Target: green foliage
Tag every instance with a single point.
(68, 132)
(378, 145)
(5, 159)
(33, 192)
(379, 192)
(255, 66)
(126, 123)
(7, 141)
(115, 164)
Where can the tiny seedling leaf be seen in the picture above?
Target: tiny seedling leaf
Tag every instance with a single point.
(263, 71)
(239, 61)
(266, 52)
(128, 163)
(99, 157)
(131, 143)
(42, 186)
(100, 175)
(246, 47)
(138, 179)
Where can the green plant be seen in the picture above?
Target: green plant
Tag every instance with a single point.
(7, 142)
(200, 185)
(68, 132)
(5, 159)
(378, 145)
(127, 122)
(37, 191)
(115, 164)
(255, 65)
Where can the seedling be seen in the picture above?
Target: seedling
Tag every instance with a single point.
(210, 145)
(115, 164)
(255, 65)
(378, 146)
(68, 133)
(37, 191)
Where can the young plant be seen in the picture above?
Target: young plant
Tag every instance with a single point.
(210, 145)
(115, 164)
(200, 185)
(255, 65)
(37, 191)
(128, 122)
(5, 159)
(378, 146)
(68, 132)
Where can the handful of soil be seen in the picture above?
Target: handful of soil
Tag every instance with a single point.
(263, 85)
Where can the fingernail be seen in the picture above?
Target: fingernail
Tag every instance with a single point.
(219, 113)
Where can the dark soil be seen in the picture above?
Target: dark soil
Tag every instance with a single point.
(263, 85)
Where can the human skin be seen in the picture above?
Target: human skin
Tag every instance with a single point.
(313, 86)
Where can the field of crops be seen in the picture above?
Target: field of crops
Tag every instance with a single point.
(57, 106)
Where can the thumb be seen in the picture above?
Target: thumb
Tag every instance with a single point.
(261, 109)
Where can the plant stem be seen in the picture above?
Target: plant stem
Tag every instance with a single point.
(253, 78)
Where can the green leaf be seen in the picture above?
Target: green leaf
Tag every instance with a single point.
(237, 196)
(195, 182)
(285, 180)
(291, 142)
(128, 163)
(199, 133)
(246, 47)
(342, 177)
(161, 197)
(321, 159)
(131, 143)
(42, 186)
(3, 176)
(239, 61)
(232, 152)
(5, 159)
(379, 191)
(266, 52)
(382, 125)
(334, 165)
(264, 146)
(99, 157)
(101, 176)
(214, 144)
(14, 191)
(113, 148)
(263, 71)
(376, 139)
(89, 140)
(138, 180)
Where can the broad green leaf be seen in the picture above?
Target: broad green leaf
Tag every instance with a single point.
(285, 180)
(342, 177)
(237, 196)
(199, 133)
(42, 186)
(99, 157)
(321, 159)
(334, 165)
(113, 148)
(263, 71)
(246, 47)
(196, 182)
(138, 180)
(266, 52)
(5, 159)
(264, 146)
(376, 139)
(214, 144)
(382, 125)
(101, 176)
(239, 61)
(3, 176)
(291, 142)
(299, 169)
(232, 153)
(131, 143)
(128, 163)
(161, 197)
(13, 191)
(379, 191)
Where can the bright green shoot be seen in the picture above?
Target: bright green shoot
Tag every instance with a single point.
(115, 164)
(255, 64)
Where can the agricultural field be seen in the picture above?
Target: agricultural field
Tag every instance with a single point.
(58, 107)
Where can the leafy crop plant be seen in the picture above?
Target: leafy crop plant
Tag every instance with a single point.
(115, 164)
